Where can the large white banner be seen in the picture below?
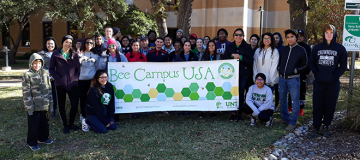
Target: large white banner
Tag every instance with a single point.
(175, 86)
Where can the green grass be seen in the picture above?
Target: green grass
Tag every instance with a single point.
(356, 73)
(11, 75)
(153, 136)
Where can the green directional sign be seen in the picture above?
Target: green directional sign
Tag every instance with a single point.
(351, 34)
(352, 4)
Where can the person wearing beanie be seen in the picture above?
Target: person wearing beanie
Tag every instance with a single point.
(303, 75)
(65, 69)
(259, 102)
(293, 61)
(328, 63)
(242, 51)
(254, 42)
(179, 34)
(144, 42)
(38, 102)
(109, 34)
(112, 54)
(222, 42)
(98, 45)
(168, 46)
(192, 39)
(152, 39)
(116, 33)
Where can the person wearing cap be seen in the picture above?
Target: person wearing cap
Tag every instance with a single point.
(116, 33)
(144, 42)
(303, 75)
(109, 34)
(79, 42)
(259, 102)
(168, 46)
(192, 39)
(328, 63)
(152, 39)
(293, 61)
(65, 69)
(222, 42)
(179, 34)
(158, 54)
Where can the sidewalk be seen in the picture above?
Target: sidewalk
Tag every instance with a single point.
(10, 83)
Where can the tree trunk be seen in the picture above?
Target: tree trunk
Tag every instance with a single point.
(298, 12)
(162, 28)
(12, 53)
(185, 11)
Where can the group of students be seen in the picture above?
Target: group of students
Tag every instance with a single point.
(263, 69)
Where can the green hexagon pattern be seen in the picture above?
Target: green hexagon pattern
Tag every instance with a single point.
(194, 87)
(169, 92)
(136, 93)
(128, 98)
(210, 95)
(194, 96)
(227, 95)
(119, 94)
(144, 98)
(114, 88)
(218, 91)
(161, 88)
(210, 86)
(186, 92)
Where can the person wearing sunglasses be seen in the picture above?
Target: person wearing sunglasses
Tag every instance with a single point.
(112, 54)
(259, 102)
(242, 51)
(88, 66)
(100, 104)
(222, 42)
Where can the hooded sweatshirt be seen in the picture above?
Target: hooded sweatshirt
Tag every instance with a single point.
(99, 49)
(281, 41)
(267, 64)
(36, 87)
(171, 49)
(328, 61)
(88, 64)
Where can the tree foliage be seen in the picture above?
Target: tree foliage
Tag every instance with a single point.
(324, 12)
(134, 22)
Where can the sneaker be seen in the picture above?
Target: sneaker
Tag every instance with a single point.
(81, 118)
(66, 130)
(253, 121)
(301, 112)
(326, 132)
(213, 115)
(290, 109)
(232, 117)
(202, 115)
(74, 128)
(313, 133)
(48, 141)
(290, 127)
(84, 126)
(270, 122)
(35, 148)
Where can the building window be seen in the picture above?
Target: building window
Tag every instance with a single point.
(5, 36)
(25, 42)
(129, 2)
(73, 31)
(47, 30)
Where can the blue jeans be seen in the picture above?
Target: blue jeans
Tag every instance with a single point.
(97, 125)
(293, 87)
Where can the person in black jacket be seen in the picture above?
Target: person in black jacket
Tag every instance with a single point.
(328, 63)
(239, 49)
(303, 75)
(158, 54)
(100, 105)
(292, 62)
(187, 55)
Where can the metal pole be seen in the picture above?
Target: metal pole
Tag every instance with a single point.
(351, 80)
(7, 59)
(261, 19)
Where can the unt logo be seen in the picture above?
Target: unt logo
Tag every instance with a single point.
(229, 104)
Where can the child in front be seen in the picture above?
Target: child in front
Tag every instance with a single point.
(38, 101)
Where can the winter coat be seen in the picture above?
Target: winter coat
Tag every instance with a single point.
(293, 60)
(181, 57)
(246, 63)
(157, 56)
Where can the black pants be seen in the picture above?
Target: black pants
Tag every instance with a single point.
(53, 91)
(83, 86)
(74, 100)
(263, 115)
(325, 97)
(38, 127)
(302, 92)
(277, 99)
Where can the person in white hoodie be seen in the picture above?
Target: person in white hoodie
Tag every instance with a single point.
(259, 101)
(266, 59)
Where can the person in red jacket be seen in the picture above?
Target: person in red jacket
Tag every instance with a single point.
(135, 55)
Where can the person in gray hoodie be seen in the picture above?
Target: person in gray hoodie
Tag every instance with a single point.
(88, 65)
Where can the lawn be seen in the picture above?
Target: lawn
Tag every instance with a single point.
(154, 136)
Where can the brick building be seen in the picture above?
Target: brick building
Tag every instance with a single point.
(207, 17)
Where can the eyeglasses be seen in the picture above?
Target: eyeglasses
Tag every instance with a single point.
(103, 77)
(267, 39)
(260, 80)
(240, 35)
(89, 43)
(111, 46)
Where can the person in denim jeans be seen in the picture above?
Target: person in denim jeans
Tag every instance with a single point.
(292, 62)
